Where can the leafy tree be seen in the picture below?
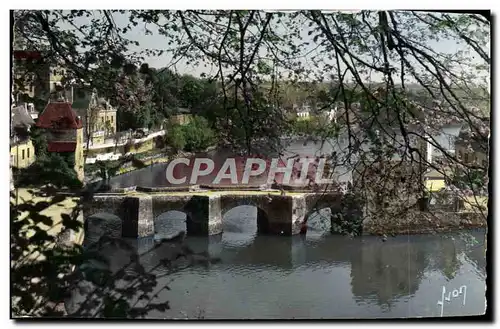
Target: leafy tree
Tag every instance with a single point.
(165, 86)
(175, 137)
(198, 134)
(39, 140)
(473, 179)
(265, 62)
(44, 258)
(52, 169)
(193, 136)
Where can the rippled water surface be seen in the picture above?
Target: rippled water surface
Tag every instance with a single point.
(314, 276)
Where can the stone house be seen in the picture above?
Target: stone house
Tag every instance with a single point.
(22, 151)
(391, 187)
(36, 82)
(181, 116)
(472, 148)
(97, 115)
(64, 131)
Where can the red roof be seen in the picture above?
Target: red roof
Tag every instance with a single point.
(23, 54)
(62, 146)
(59, 115)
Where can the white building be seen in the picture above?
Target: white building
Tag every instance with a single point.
(332, 115)
(303, 112)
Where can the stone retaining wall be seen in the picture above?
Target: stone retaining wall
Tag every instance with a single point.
(419, 222)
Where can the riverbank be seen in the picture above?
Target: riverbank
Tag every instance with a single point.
(36, 253)
(149, 158)
(55, 212)
(420, 222)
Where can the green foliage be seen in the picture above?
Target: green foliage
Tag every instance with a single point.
(304, 127)
(172, 91)
(38, 284)
(194, 136)
(54, 169)
(315, 126)
(39, 140)
(347, 219)
(175, 137)
(134, 120)
(469, 179)
(198, 134)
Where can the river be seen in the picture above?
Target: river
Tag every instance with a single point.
(315, 276)
(312, 276)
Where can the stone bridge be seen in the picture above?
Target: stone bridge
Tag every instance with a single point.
(277, 213)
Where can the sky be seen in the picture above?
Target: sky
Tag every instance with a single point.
(158, 41)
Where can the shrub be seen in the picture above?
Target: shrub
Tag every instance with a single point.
(198, 135)
(53, 169)
(348, 218)
(175, 138)
(194, 136)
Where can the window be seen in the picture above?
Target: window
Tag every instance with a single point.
(54, 72)
(102, 119)
(466, 157)
(28, 151)
(22, 155)
(111, 119)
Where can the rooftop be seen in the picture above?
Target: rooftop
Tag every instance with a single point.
(59, 115)
(21, 117)
(183, 110)
(478, 141)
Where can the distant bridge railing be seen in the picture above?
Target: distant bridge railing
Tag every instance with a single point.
(206, 187)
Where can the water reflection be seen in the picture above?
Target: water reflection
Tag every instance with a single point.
(319, 223)
(101, 224)
(170, 224)
(314, 276)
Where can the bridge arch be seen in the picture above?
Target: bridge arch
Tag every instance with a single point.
(170, 222)
(101, 206)
(100, 223)
(319, 208)
(229, 203)
(318, 222)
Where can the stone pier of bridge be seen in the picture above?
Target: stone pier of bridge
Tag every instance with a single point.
(276, 214)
